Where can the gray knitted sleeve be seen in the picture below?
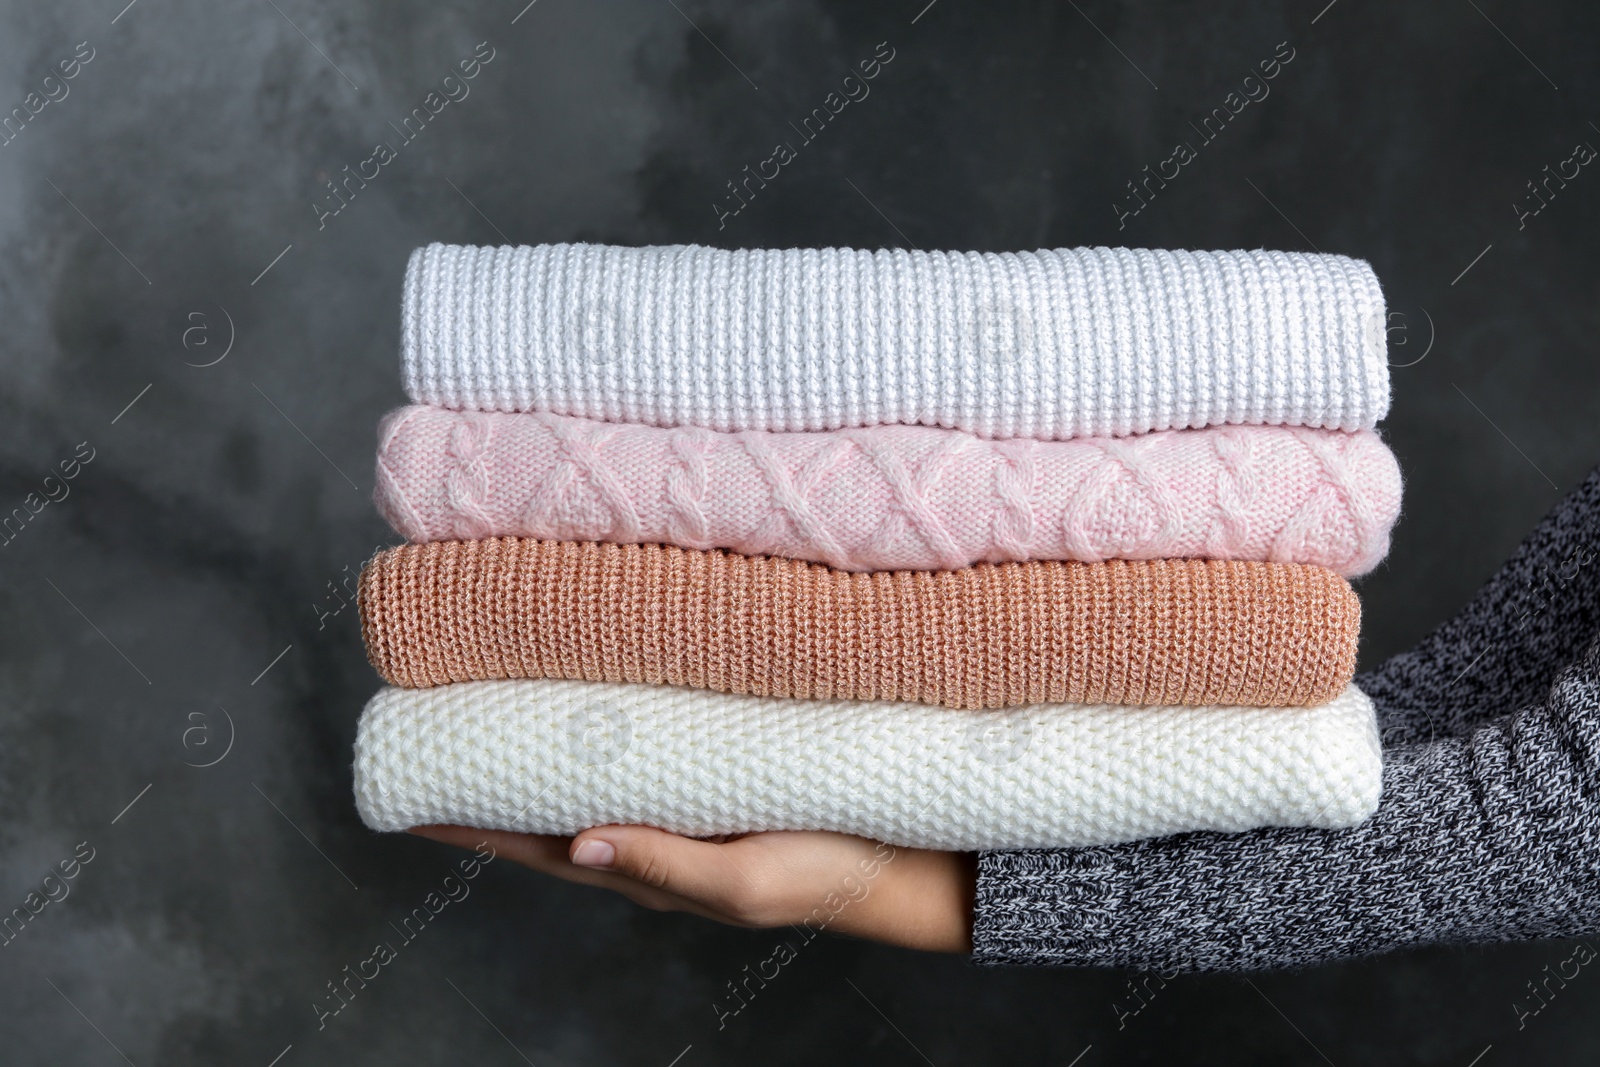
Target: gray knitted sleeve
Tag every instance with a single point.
(1488, 830)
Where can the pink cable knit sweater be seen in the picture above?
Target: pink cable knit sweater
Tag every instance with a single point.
(893, 497)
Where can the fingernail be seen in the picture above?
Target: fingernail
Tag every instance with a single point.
(594, 853)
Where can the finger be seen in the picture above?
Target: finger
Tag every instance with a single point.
(700, 872)
(539, 851)
(544, 853)
(547, 854)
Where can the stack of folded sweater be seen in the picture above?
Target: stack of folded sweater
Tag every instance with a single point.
(950, 550)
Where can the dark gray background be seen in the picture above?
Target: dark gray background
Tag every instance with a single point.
(200, 541)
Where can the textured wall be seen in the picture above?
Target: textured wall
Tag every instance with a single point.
(171, 198)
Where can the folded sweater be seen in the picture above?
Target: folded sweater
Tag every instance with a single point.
(552, 757)
(1058, 343)
(1488, 830)
(1143, 633)
(893, 497)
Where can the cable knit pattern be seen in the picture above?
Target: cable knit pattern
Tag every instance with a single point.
(1053, 344)
(466, 486)
(550, 757)
(995, 635)
(894, 497)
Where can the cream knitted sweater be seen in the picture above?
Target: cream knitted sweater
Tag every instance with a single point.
(556, 757)
(1057, 343)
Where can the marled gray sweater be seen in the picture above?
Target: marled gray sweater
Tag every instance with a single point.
(1489, 827)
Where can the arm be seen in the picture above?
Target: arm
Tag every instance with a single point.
(808, 880)
(1491, 836)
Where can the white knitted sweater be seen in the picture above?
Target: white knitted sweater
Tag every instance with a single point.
(556, 757)
(1052, 344)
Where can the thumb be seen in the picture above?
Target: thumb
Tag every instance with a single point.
(696, 870)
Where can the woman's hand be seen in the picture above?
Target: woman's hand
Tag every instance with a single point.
(914, 898)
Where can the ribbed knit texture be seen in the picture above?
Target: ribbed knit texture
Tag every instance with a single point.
(994, 635)
(553, 757)
(894, 497)
(1058, 343)
(1487, 831)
